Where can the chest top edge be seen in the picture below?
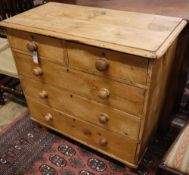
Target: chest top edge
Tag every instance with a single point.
(128, 32)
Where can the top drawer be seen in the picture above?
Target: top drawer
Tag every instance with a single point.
(114, 65)
(51, 48)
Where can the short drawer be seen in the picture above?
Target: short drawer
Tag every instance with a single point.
(112, 93)
(50, 48)
(107, 142)
(111, 64)
(82, 108)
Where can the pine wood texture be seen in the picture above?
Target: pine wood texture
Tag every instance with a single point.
(122, 96)
(85, 109)
(85, 132)
(83, 86)
(160, 73)
(109, 29)
(123, 67)
(50, 48)
(160, 7)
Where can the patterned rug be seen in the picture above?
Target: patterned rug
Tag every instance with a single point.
(28, 149)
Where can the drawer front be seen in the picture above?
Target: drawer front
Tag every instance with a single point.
(118, 95)
(111, 64)
(50, 48)
(102, 140)
(88, 110)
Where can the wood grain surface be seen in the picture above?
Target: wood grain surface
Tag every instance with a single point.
(124, 67)
(117, 146)
(158, 83)
(122, 96)
(85, 109)
(98, 79)
(116, 30)
(50, 48)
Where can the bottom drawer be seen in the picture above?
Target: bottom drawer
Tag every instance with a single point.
(112, 144)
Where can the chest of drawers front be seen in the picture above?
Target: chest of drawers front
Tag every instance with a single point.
(104, 98)
(77, 98)
(67, 90)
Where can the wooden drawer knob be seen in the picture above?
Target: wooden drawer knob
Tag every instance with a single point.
(43, 94)
(103, 118)
(104, 93)
(37, 71)
(102, 64)
(103, 142)
(31, 46)
(48, 117)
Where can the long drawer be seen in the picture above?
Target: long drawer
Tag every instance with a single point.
(112, 93)
(88, 110)
(111, 64)
(51, 48)
(107, 142)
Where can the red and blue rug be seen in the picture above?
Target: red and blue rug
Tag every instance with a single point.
(28, 149)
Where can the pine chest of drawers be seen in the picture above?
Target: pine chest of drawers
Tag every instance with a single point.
(95, 75)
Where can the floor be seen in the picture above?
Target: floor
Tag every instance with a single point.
(9, 112)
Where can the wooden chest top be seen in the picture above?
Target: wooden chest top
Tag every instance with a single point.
(129, 32)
